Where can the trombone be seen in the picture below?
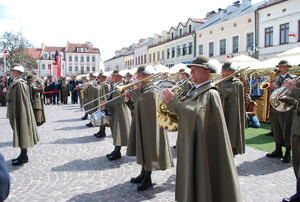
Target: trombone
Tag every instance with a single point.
(120, 90)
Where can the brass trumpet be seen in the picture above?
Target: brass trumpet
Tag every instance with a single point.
(120, 90)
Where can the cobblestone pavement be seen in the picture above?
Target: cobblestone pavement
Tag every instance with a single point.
(70, 164)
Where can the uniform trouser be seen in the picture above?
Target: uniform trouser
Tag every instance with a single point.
(55, 98)
(2, 100)
(281, 126)
(295, 143)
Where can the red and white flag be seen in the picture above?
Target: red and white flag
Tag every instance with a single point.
(51, 68)
(58, 66)
(293, 35)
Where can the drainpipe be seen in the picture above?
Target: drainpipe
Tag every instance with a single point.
(256, 33)
(194, 35)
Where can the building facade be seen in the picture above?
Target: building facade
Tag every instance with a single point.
(278, 27)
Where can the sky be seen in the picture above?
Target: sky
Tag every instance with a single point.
(109, 25)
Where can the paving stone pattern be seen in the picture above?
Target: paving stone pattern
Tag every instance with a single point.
(70, 164)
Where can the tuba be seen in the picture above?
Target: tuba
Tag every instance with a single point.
(169, 120)
(266, 98)
(279, 100)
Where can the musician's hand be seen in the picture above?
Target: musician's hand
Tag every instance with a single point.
(138, 86)
(167, 95)
(127, 94)
(273, 86)
(289, 83)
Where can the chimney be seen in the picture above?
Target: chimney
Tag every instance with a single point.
(89, 44)
(224, 15)
(246, 4)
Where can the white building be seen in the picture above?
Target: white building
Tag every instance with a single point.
(278, 27)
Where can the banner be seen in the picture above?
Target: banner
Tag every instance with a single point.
(51, 68)
(58, 66)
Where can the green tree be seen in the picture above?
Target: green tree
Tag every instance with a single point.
(17, 47)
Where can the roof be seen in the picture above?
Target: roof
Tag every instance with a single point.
(197, 20)
(50, 49)
(34, 52)
(71, 48)
(270, 3)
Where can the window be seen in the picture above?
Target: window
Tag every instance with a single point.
(93, 69)
(190, 28)
(178, 51)
(163, 53)
(70, 58)
(269, 36)
(49, 65)
(88, 58)
(145, 59)
(70, 68)
(93, 59)
(184, 49)
(88, 68)
(82, 69)
(200, 35)
(234, 24)
(210, 32)
(223, 47)
(235, 44)
(153, 55)
(168, 53)
(284, 10)
(284, 32)
(249, 20)
(173, 52)
(250, 40)
(76, 58)
(158, 56)
(52, 56)
(76, 68)
(201, 49)
(43, 66)
(81, 59)
(45, 56)
(172, 35)
(149, 57)
(269, 14)
(180, 32)
(190, 47)
(222, 28)
(211, 49)
(142, 60)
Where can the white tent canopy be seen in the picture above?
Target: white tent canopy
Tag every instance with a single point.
(175, 69)
(161, 68)
(244, 61)
(292, 56)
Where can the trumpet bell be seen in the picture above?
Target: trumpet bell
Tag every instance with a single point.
(264, 85)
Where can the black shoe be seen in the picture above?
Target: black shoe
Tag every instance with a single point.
(19, 161)
(138, 179)
(108, 155)
(146, 183)
(269, 134)
(275, 154)
(100, 135)
(286, 158)
(89, 124)
(84, 118)
(115, 156)
(294, 198)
